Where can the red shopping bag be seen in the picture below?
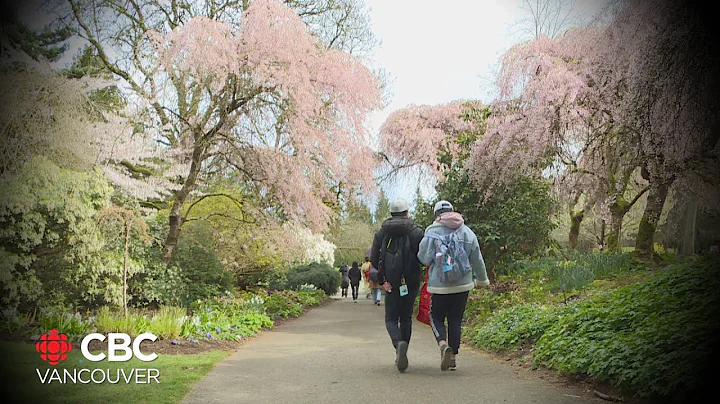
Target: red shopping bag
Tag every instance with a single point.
(424, 306)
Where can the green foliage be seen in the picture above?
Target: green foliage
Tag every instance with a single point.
(511, 327)
(48, 237)
(513, 223)
(382, 209)
(281, 304)
(200, 267)
(58, 318)
(654, 337)
(226, 319)
(290, 303)
(48, 43)
(134, 323)
(572, 274)
(321, 275)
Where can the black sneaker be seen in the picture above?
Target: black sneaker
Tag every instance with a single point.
(452, 364)
(445, 357)
(401, 359)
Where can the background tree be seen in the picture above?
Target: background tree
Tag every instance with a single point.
(547, 18)
(671, 70)
(514, 222)
(128, 225)
(231, 91)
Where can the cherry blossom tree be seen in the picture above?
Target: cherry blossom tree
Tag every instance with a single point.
(413, 137)
(602, 108)
(670, 66)
(552, 118)
(258, 88)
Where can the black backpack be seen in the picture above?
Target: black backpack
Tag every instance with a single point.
(394, 259)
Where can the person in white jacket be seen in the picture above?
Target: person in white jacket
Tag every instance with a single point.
(449, 294)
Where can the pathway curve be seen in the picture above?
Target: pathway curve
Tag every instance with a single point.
(341, 353)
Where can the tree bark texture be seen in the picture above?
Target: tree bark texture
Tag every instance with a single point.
(657, 195)
(575, 221)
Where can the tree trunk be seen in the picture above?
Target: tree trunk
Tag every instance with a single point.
(688, 242)
(646, 232)
(125, 261)
(176, 215)
(601, 242)
(575, 221)
(613, 239)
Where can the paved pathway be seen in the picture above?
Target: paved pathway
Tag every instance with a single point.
(341, 353)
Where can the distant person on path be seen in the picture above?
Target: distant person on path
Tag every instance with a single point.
(451, 251)
(365, 269)
(375, 286)
(344, 270)
(394, 254)
(355, 277)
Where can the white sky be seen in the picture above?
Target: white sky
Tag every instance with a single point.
(440, 51)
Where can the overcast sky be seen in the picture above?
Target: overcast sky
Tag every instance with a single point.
(440, 51)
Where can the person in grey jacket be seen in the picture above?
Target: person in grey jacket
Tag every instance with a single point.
(450, 296)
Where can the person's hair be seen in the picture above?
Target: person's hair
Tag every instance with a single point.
(367, 258)
(355, 264)
(441, 211)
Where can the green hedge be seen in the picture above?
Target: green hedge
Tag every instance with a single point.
(323, 276)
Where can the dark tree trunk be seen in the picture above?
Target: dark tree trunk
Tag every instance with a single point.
(648, 224)
(575, 221)
(613, 239)
(689, 226)
(176, 219)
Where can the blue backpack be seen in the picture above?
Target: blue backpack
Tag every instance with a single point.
(451, 260)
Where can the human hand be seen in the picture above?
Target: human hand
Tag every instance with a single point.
(387, 286)
(481, 284)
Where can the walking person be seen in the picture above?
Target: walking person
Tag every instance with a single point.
(375, 286)
(355, 277)
(451, 251)
(394, 254)
(344, 270)
(365, 269)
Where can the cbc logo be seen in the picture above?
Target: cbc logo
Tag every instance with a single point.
(54, 347)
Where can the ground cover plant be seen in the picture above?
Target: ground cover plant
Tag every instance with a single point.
(650, 334)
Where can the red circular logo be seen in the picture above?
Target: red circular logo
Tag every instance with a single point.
(53, 347)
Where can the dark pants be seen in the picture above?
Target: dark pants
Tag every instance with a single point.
(451, 307)
(355, 289)
(398, 314)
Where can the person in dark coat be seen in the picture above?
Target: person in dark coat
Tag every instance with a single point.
(344, 270)
(355, 276)
(400, 234)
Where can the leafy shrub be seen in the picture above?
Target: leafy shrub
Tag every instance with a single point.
(167, 322)
(133, 323)
(311, 298)
(225, 318)
(60, 319)
(283, 304)
(654, 337)
(509, 328)
(321, 275)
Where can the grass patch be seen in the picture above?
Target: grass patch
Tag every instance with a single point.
(177, 375)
